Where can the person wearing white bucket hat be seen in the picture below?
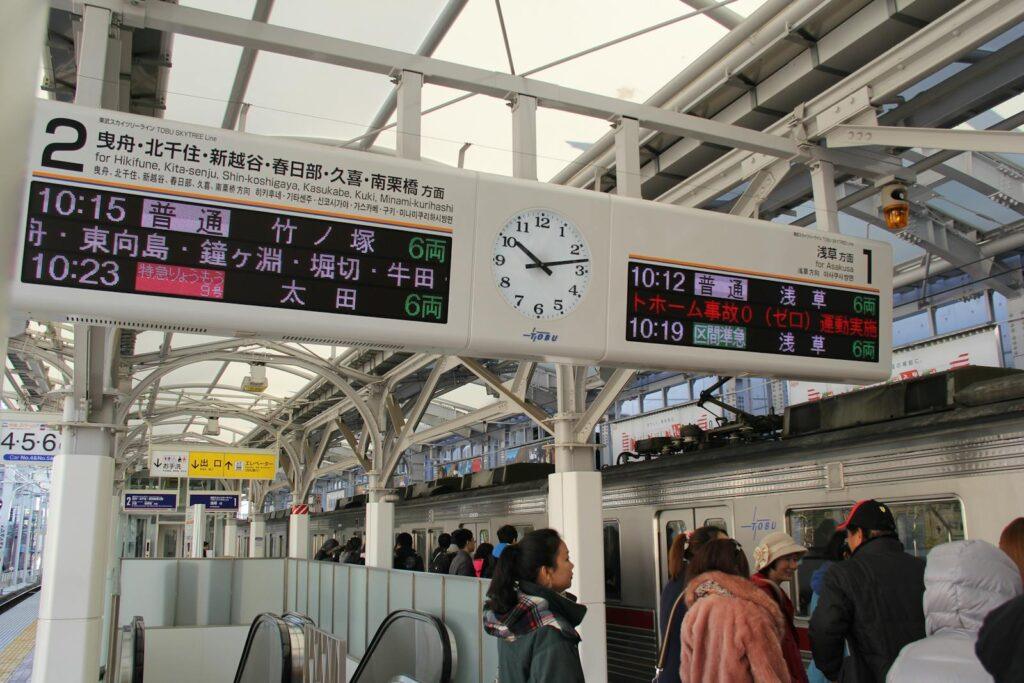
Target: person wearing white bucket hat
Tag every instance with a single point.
(775, 562)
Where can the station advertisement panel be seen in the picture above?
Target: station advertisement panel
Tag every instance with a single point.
(149, 224)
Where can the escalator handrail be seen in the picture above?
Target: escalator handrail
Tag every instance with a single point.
(138, 649)
(442, 631)
(286, 645)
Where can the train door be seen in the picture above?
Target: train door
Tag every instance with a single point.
(419, 544)
(684, 520)
(481, 531)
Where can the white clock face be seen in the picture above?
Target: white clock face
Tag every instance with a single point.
(541, 264)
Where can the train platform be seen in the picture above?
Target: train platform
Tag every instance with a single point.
(17, 640)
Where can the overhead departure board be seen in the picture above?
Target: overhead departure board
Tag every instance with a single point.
(90, 236)
(711, 307)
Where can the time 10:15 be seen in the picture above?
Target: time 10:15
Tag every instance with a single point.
(69, 202)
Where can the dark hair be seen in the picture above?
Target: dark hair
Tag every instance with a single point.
(507, 534)
(460, 537)
(836, 549)
(871, 533)
(521, 562)
(444, 540)
(483, 551)
(685, 545)
(722, 555)
(404, 540)
(354, 544)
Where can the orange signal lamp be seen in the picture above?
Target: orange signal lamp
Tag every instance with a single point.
(895, 207)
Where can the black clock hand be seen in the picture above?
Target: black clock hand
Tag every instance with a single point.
(557, 263)
(540, 264)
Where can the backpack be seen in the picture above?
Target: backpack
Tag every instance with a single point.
(440, 562)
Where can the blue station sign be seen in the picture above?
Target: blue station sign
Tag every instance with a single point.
(145, 501)
(214, 501)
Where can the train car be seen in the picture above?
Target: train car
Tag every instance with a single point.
(945, 451)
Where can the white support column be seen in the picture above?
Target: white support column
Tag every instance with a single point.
(230, 535)
(22, 33)
(524, 137)
(196, 531)
(410, 106)
(574, 510)
(823, 183)
(257, 534)
(380, 526)
(627, 158)
(71, 607)
(298, 531)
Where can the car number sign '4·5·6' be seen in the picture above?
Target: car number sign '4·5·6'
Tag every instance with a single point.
(135, 222)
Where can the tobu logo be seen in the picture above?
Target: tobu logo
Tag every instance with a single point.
(536, 335)
(760, 524)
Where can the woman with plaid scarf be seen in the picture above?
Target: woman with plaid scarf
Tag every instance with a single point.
(530, 613)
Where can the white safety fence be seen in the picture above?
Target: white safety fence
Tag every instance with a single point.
(348, 602)
(325, 655)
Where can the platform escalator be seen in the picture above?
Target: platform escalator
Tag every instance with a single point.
(409, 647)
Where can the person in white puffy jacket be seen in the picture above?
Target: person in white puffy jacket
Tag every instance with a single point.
(964, 581)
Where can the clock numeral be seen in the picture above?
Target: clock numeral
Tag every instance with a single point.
(499, 260)
(538, 309)
(507, 241)
(576, 249)
(561, 230)
(519, 299)
(543, 222)
(575, 292)
(522, 226)
(558, 305)
(505, 284)
(581, 269)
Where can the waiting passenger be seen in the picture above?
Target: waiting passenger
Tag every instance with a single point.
(484, 561)
(533, 618)
(328, 551)
(835, 551)
(353, 551)
(673, 608)
(1000, 645)
(441, 559)
(507, 535)
(963, 582)
(405, 557)
(732, 632)
(872, 602)
(462, 560)
(1011, 542)
(775, 563)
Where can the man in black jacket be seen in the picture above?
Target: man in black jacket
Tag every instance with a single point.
(873, 601)
(1000, 646)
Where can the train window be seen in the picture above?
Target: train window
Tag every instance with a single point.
(673, 527)
(523, 529)
(419, 542)
(717, 522)
(612, 561)
(920, 525)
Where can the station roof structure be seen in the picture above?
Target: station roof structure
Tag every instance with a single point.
(767, 65)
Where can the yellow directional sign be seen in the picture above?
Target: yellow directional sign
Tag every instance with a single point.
(232, 465)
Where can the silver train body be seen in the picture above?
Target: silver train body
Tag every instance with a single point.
(946, 451)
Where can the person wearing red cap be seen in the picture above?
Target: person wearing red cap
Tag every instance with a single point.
(872, 602)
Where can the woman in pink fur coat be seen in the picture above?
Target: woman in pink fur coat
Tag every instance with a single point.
(732, 631)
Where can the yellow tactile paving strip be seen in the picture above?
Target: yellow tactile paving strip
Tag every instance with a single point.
(15, 652)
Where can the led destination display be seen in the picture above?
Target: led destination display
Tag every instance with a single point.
(92, 237)
(715, 308)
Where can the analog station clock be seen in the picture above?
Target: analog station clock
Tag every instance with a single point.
(541, 264)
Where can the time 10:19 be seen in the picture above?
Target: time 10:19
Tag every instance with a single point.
(662, 330)
(69, 203)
